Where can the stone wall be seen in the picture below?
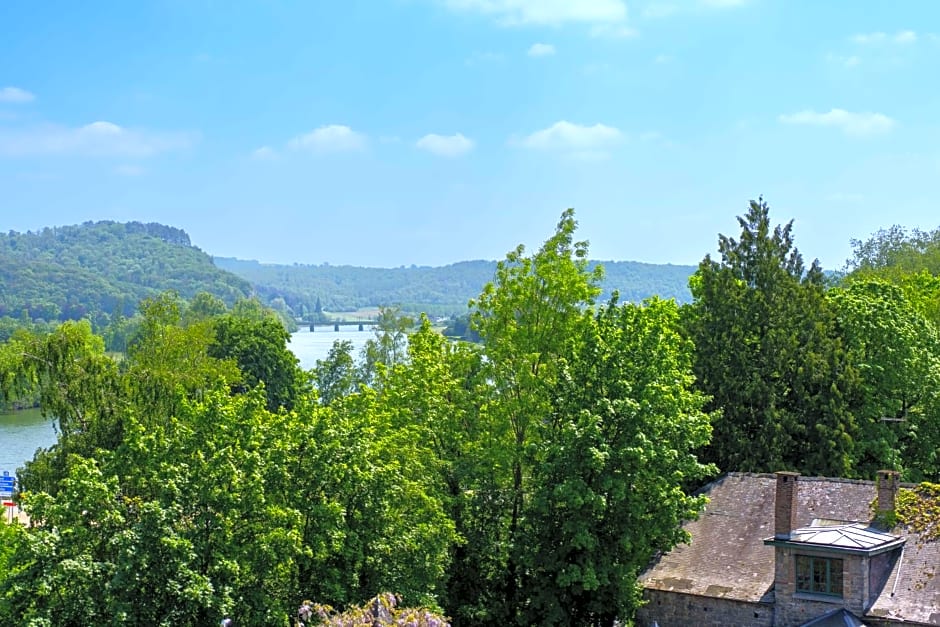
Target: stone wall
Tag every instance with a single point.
(675, 609)
(795, 608)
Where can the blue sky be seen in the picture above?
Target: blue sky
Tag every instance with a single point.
(398, 132)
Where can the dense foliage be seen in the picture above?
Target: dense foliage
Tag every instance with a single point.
(201, 476)
(441, 290)
(837, 382)
(100, 269)
(524, 479)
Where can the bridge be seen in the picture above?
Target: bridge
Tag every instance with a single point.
(336, 324)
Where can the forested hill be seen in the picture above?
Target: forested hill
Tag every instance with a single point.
(438, 290)
(95, 268)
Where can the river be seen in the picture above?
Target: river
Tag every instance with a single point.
(22, 432)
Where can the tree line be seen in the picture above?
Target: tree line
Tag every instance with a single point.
(525, 479)
(437, 291)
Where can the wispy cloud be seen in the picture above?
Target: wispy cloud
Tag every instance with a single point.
(265, 153)
(95, 139)
(330, 138)
(856, 124)
(446, 145)
(544, 12)
(901, 37)
(15, 95)
(572, 139)
(541, 50)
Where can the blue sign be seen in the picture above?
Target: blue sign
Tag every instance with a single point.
(7, 482)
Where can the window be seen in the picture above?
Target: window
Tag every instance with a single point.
(819, 575)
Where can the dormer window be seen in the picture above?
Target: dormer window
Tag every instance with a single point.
(819, 575)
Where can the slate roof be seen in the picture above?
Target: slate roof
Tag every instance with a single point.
(727, 557)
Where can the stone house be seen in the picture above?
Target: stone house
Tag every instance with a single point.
(788, 551)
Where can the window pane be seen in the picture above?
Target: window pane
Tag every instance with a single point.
(835, 577)
(819, 575)
(803, 573)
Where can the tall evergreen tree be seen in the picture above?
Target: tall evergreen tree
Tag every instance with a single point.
(769, 355)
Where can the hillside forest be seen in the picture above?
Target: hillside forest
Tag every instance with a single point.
(436, 291)
(100, 271)
(527, 478)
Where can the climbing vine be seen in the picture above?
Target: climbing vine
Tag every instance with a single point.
(919, 509)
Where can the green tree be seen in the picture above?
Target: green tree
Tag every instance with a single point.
(769, 355)
(526, 318)
(203, 306)
(389, 345)
(337, 375)
(258, 345)
(618, 447)
(896, 350)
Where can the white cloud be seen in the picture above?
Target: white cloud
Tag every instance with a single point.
(545, 12)
(661, 59)
(857, 124)
(330, 138)
(541, 50)
(573, 139)
(878, 37)
(95, 139)
(265, 153)
(446, 145)
(15, 95)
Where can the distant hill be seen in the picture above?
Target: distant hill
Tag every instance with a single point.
(437, 290)
(96, 268)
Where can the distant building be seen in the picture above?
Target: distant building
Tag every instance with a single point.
(789, 551)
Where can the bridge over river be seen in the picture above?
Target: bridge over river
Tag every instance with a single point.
(336, 325)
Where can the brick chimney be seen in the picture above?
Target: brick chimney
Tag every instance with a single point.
(888, 481)
(785, 505)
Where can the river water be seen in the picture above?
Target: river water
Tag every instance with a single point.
(22, 432)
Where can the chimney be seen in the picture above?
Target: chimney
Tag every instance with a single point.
(888, 481)
(785, 505)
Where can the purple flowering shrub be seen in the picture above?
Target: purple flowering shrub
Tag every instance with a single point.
(381, 611)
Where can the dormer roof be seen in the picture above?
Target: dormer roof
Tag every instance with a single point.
(841, 536)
